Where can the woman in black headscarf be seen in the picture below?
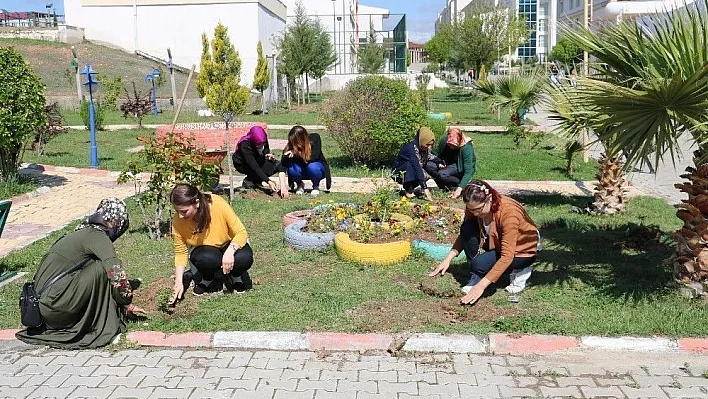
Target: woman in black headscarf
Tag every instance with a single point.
(86, 308)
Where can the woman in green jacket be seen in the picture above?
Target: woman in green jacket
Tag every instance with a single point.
(454, 163)
(87, 308)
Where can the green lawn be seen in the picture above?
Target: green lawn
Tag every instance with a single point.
(596, 275)
(497, 157)
(466, 108)
(16, 186)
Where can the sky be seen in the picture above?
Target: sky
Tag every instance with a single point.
(420, 14)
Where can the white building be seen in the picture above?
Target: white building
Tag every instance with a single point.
(453, 11)
(152, 26)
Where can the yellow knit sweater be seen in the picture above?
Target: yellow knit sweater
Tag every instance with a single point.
(224, 227)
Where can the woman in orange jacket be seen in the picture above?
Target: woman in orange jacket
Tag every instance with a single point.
(498, 237)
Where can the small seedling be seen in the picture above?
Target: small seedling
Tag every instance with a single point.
(634, 385)
(705, 374)
(163, 300)
(676, 384)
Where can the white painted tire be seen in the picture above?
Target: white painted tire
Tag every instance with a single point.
(301, 240)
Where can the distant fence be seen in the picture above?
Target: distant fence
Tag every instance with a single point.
(62, 34)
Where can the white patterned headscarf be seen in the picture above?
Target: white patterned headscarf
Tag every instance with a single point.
(110, 211)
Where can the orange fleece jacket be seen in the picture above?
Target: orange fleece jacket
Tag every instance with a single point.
(511, 230)
(224, 227)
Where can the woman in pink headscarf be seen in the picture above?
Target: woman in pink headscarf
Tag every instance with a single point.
(254, 159)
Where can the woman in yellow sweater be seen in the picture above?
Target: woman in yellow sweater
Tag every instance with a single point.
(220, 253)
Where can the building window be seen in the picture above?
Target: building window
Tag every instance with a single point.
(560, 8)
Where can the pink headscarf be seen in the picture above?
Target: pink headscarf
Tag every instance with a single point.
(257, 135)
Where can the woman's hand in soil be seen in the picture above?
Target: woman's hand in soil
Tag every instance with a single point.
(133, 310)
(474, 294)
(272, 186)
(428, 196)
(440, 269)
(177, 292)
(455, 194)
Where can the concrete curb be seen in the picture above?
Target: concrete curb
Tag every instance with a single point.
(466, 128)
(499, 344)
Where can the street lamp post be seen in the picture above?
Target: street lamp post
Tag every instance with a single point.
(152, 77)
(92, 85)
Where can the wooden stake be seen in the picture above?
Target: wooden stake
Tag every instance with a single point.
(181, 100)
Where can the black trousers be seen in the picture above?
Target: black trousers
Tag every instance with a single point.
(207, 260)
(448, 177)
(408, 186)
(269, 168)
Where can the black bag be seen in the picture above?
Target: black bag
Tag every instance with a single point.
(30, 315)
(29, 306)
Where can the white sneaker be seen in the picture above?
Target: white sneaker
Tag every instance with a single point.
(466, 289)
(315, 192)
(518, 280)
(300, 191)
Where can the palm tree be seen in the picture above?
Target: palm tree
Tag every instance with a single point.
(520, 93)
(651, 88)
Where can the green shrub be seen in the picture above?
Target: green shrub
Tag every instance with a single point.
(100, 114)
(438, 127)
(372, 118)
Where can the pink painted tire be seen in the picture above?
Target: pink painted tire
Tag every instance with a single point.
(294, 216)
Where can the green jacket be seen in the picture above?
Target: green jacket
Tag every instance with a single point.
(466, 160)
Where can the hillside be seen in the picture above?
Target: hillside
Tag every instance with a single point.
(51, 61)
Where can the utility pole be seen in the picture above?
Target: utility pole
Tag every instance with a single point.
(171, 68)
(587, 17)
(75, 65)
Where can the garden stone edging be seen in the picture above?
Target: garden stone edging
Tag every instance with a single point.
(510, 344)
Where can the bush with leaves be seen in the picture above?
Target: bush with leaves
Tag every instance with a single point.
(372, 118)
(51, 129)
(111, 88)
(421, 83)
(100, 112)
(169, 159)
(136, 106)
(21, 108)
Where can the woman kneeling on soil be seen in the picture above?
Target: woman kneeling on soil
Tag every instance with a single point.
(501, 227)
(303, 160)
(455, 162)
(86, 308)
(220, 252)
(254, 159)
(408, 166)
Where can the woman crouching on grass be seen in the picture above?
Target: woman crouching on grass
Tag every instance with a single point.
(207, 233)
(498, 237)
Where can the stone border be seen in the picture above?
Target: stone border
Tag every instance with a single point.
(499, 344)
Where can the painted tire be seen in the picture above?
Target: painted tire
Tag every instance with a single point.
(300, 240)
(436, 116)
(448, 115)
(294, 216)
(371, 254)
(323, 207)
(436, 250)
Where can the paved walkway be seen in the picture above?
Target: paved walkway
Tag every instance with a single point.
(31, 372)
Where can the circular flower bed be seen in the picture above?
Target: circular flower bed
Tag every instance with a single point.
(381, 231)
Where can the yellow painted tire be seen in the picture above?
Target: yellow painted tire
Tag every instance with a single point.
(448, 115)
(371, 254)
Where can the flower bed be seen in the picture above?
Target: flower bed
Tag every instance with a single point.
(363, 231)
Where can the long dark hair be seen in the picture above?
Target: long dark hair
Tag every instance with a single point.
(479, 191)
(184, 194)
(299, 143)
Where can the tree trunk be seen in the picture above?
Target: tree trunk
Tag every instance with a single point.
(307, 86)
(690, 261)
(8, 161)
(611, 188)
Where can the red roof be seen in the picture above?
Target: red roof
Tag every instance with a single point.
(22, 14)
(415, 45)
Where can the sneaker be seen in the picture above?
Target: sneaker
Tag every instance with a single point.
(518, 280)
(300, 190)
(234, 284)
(315, 192)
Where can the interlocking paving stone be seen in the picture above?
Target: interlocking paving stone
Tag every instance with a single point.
(611, 391)
(565, 392)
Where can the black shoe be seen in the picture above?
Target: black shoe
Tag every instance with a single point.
(201, 288)
(232, 285)
(248, 185)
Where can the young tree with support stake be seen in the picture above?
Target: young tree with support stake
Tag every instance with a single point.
(219, 82)
(261, 79)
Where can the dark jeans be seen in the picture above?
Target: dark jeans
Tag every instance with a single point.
(448, 177)
(314, 171)
(207, 260)
(481, 264)
(409, 186)
(269, 168)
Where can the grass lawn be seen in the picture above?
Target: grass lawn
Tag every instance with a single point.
(277, 117)
(467, 108)
(497, 157)
(596, 275)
